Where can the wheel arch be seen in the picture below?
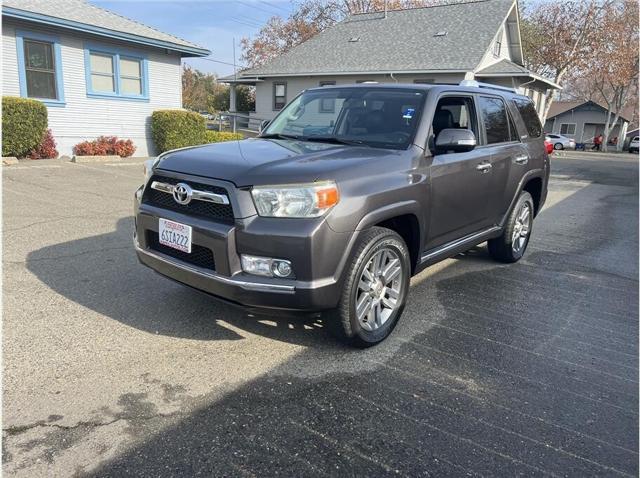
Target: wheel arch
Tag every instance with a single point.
(405, 218)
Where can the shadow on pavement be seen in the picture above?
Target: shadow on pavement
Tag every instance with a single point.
(102, 273)
(494, 370)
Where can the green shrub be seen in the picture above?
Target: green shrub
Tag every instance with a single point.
(24, 123)
(218, 136)
(173, 129)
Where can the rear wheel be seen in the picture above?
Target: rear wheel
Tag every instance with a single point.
(510, 246)
(558, 146)
(375, 290)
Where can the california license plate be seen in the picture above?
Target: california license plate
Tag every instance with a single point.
(174, 234)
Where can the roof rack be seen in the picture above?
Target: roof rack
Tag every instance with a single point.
(477, 84)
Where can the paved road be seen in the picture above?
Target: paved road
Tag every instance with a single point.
(111, 370)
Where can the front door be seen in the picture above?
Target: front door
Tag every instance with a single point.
(460, 182)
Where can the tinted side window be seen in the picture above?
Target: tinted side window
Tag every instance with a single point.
(529, 116)
(496, 122)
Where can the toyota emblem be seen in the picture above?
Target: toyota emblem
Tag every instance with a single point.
(182, 193)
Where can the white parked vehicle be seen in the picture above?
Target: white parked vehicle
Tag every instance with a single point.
(561, 142)
(634, 145)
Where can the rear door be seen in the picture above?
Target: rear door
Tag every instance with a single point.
(460, 182)
(507, 153)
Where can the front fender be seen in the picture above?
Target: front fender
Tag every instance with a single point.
(384, 213)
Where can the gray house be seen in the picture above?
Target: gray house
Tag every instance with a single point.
(437, 44)
(582, 120)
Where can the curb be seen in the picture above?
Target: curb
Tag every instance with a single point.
(95, 159)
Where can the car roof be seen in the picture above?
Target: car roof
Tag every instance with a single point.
(434, 87)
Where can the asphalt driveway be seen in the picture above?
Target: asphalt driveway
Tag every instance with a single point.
(112, 370)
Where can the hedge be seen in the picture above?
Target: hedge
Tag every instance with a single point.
(173, 129)
(218, 136)
(24, 123)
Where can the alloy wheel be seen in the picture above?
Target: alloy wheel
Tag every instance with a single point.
(521, 228)
(379, 289)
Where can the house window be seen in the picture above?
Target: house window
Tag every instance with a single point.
(115, 74)
(327, 105)
(102, 73)
(40, 67)
(279, 95)
(567, 128)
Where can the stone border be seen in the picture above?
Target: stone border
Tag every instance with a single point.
(9, 160)
(94, 159)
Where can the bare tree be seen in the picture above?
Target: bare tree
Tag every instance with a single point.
(558, 37)
(614, 73)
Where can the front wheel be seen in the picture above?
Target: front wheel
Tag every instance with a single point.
(510, 246)
(558, 146)
(375, 289)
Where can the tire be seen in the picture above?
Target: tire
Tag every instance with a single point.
(558, 146)
(372, 328)
(505, 248)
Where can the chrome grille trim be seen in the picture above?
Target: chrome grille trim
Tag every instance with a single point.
(195, 193)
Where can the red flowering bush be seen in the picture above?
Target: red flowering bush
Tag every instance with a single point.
(46, 149)
(105, 145)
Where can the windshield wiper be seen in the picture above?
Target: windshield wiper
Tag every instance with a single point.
(334, 139)
(279, 136)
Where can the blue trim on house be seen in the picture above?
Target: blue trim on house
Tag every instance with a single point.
(116, 53)
(57, 59)
(85, 28)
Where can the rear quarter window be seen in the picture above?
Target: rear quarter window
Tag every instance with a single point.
(529, 116)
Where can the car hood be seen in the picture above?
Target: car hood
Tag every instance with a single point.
(270, 161)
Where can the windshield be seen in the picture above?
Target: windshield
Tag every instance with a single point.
(377, 117)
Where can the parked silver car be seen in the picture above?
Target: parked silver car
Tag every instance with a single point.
(634, 145)
(561, 142)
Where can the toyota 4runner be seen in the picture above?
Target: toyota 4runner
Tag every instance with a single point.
(344, 196)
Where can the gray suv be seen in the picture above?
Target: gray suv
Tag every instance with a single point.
(344, 196)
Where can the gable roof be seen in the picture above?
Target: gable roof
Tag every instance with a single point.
(81, 15)
(404, 41)
(504, 67)
(560, 107)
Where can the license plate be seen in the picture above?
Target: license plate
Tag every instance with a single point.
(174, 234)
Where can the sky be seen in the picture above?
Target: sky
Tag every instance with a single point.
(212, 24)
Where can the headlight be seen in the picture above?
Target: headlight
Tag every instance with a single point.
(296, 200)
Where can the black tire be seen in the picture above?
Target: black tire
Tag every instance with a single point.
(502, 248)
(342, 321)
(558, 146)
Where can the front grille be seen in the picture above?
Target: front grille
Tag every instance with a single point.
(209, 210)
(200, 256)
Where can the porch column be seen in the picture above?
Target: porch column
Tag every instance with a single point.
(232, 104)
(622, 134)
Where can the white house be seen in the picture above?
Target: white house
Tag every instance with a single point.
(444, 43)
(98, 72)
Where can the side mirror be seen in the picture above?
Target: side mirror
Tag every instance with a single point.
(455, 140)
(263, 125)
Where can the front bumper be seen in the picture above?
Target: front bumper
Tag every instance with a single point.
(310, 245)
(245, 291)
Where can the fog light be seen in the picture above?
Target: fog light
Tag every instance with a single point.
(266, 266)
(281, 268)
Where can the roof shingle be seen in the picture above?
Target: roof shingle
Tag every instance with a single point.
(404, 41)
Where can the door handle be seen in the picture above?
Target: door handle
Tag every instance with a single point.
(523, 159)
(484, 167)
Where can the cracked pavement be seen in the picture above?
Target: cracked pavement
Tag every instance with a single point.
(112, 370)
